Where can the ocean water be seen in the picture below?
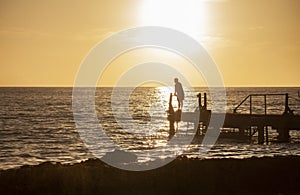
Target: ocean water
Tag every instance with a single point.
(37, 124)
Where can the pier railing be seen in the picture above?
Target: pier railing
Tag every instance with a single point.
(250, 97)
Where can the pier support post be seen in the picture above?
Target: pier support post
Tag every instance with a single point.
(171, 115)
(172, 126)
(199, 101)
(242, 131)
(205, 102)
(267, 135)
(261, 138)
(284, 132)
(284, 135)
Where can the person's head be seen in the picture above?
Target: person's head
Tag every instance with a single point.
(176, 80)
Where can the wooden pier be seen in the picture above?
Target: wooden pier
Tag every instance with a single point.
(240, 125)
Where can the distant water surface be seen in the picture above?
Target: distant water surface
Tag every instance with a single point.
(37, 124)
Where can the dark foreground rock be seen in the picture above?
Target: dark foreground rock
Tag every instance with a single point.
(278, 175)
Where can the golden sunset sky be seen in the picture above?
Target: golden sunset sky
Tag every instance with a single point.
(253, 42)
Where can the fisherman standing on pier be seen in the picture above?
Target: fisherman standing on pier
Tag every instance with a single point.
(179, 93)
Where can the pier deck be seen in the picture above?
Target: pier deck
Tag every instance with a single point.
(247, 124)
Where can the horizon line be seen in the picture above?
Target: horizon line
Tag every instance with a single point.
(111, 86)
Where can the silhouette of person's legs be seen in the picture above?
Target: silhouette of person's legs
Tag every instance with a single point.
(180, 103)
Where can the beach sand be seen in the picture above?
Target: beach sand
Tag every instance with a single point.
(266, 175)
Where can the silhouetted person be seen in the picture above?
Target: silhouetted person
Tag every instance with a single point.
(179, 93)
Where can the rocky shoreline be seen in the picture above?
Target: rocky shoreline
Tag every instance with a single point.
(266, 175)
